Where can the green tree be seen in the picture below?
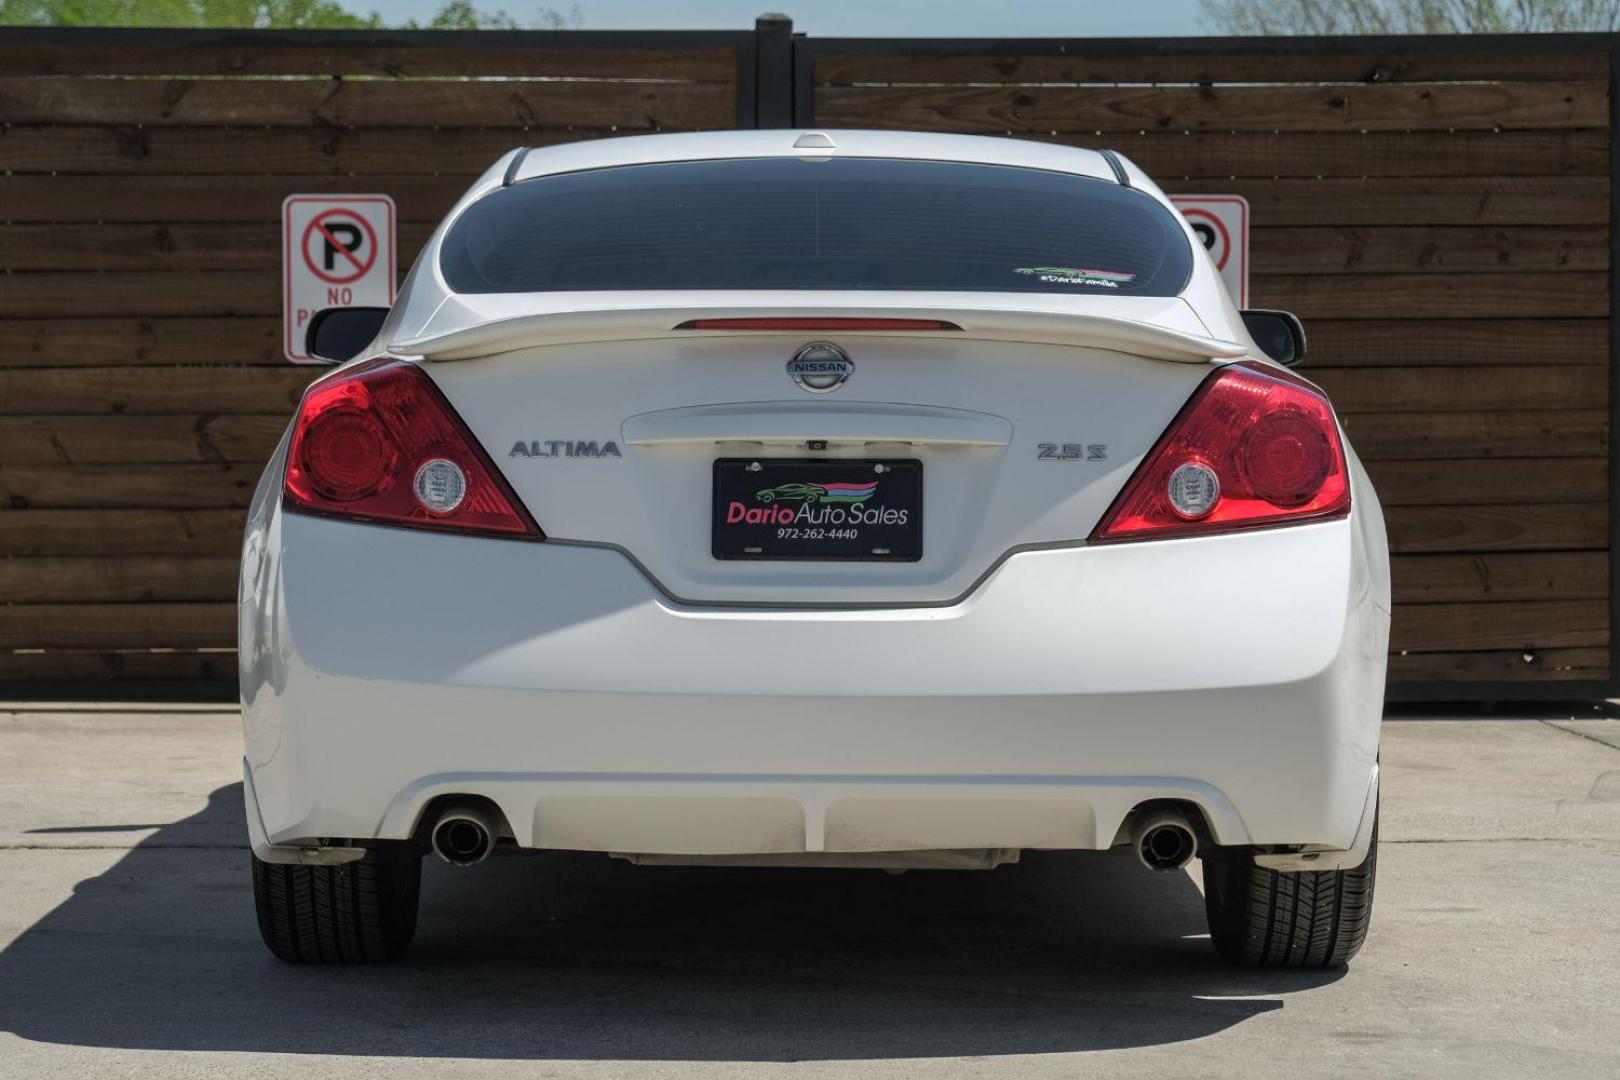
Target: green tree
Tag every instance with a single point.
(1268, 17)
(281, 14)
(462, 15)
(261, 14)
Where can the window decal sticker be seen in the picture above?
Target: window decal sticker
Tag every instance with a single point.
(1068, 275)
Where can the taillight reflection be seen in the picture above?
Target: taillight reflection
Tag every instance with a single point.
(819, 323)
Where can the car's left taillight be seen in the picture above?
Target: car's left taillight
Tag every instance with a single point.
(378, 442)
(1255, 447)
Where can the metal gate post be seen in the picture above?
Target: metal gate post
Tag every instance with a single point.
(773, 74)
(1613, 681)
(804, 73)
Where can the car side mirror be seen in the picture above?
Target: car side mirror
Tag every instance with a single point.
(1279, 334)
(338, 334)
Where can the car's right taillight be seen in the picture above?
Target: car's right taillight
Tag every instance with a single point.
(1255, 447)
(378, 442)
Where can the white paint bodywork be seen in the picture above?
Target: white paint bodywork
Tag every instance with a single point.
(616, 688)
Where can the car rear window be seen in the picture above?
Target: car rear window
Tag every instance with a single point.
(840, 223)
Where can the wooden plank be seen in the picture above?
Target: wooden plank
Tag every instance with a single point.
(373, 103)
(135, 440)
(1480, 577)
(1555, 527)
(1334, 343)
(133, 487)
(219, 532)
(1514, 665)
(382, 53)
(123, 533)
(220, 664)
(1094, 61)
(1526, 625)
(1392, 106)
(464, 152)
(128, 666)
(137, 293)
(115, 579)
(1437, 342)
(271, 392)
(1487, 200)
(141, 390)
(1471, 481)
(150, 247)
(1345, 250)
(1422, 627)
(1463, 389)
(1416, 296)
(1373, 250)
(117, 626)
(170, 200)
(1420, 201)
(1575, 433)
(166, 342)
(1167, 155)
(244, 292)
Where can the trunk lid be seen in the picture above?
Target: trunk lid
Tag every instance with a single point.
(1024, 432)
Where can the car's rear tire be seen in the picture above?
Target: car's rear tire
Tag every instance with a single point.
(354, 913)
(1266, 918)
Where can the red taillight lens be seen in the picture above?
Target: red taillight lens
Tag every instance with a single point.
(378, 442)
(817, 323)
(1254, 447)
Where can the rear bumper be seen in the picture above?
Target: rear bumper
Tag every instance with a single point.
(383, 667)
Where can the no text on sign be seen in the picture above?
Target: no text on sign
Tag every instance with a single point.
(336, 251)
(1222, 223)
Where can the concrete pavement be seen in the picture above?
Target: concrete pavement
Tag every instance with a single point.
(128, 946)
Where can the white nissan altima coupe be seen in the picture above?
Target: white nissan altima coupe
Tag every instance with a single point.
(846, 499)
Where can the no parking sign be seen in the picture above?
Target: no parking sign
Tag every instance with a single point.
(336, 251)
(1222, 223)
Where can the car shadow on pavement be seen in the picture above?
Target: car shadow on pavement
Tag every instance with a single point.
(573, 957)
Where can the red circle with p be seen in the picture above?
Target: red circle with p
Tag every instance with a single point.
(337, 263)
(1222, 250)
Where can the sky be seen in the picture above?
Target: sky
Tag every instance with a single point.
(852, 18)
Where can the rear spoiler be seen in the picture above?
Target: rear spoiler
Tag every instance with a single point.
(987, 324)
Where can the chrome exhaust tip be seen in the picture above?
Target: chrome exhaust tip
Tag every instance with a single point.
(464, 835)
(1163, 840)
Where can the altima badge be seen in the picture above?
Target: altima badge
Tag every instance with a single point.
(555, 448)
(820, 367)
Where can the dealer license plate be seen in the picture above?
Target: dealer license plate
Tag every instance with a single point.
(774, 508)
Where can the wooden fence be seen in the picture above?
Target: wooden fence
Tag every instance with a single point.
(142, 384)
(1437, 211)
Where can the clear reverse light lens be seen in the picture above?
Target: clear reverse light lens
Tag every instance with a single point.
(440, 485)
(1194, 489)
